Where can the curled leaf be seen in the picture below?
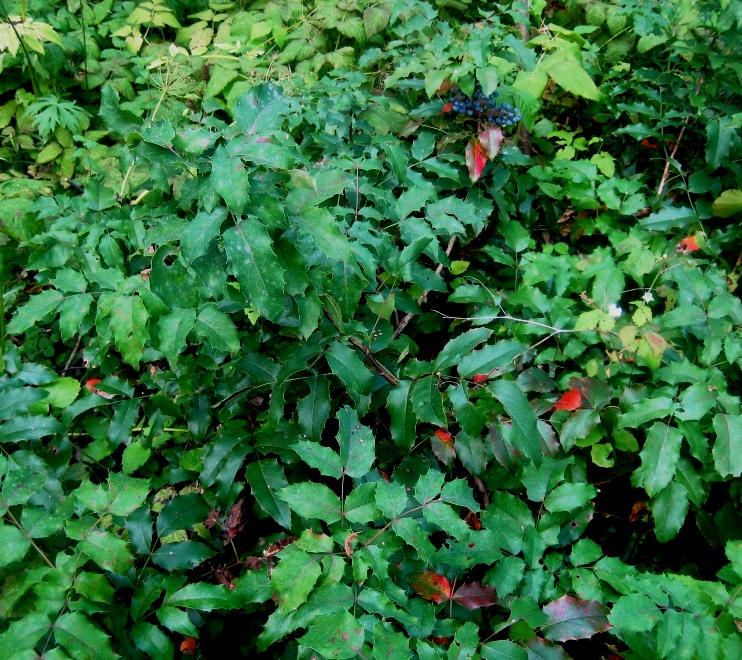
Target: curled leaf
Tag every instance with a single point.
(689, 244)
(476, 159)
(491, 140)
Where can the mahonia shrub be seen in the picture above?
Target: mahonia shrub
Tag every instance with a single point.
(351, 329)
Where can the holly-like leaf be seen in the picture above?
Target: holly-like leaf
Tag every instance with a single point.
(266, 479)
(571, 618)
(357, 443)
(338, 635)
(83, 639)
(660, 456)
(476, 159)
(313, 501)
(129, 326)
(727, 449)
(252, 260)
(230, 179)
(295, 576)
(34, 310)
(431, 586)
(475, 595)
(403, 417)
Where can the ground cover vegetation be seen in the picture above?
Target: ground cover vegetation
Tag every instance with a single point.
(393, 329)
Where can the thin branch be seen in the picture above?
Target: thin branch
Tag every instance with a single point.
(408, 317)
(507, 317)
(380, 368)
(28, 537)
(72, 355)
(666, 173)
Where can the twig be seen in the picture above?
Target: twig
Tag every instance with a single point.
(408, 317)
(666, 173)
(28, 536)
(507, 317)
(72, 355)
(380, 368)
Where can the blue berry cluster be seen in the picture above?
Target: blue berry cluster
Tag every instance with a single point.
(484, 107)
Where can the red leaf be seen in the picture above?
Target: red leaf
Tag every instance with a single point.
(444, 436)
(91, 385)
(448, 107)
(689, 244)
(476, 159)
(475, 595)
(188, 646)
(570, 400)
(472, 519)
(571, 618)
(233, 524)
(491, 139)
(431, 586)
(480, 378)
(649, 144)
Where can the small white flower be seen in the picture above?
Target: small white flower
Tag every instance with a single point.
(648, 297)
(614, 310)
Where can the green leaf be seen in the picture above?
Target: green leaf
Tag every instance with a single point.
(572, 618)
(494, 356)
(218, 328)
(669, 510)
(427, 402)
(221, 461)
(635, 613)
(204, 597)
(659, 457)
(129, 327)
(727, 449)
(314, 409)
(199, 232)
(14, 543)
(320, 457)
(294, 577)
(646, 410)
(391, 498)
(721, 138)
(34, 310)
(568, 73)
(335, 636)
(62, 392)
(429, 486)
(323, 228)
(173, 329)
(135, 456)
(312, 501)
(230, 180)
(460, 346)
(346, 365)
(253, 262)
(375, 20)
(266, 479)
(671, 217)
(459, 493)
(31, 427)
(404, 422)
(82, 639)
(526, 437)
(139, 526)
(357, 444)
(360, 505)
(72, 312)
(502, 650)
(569, 497)
(172, 282)
(412, 533)
(23, 635)
(123, 421)
(121, 496)
(149, 639)
(181, 556)
(182, 512)
(729, 203)
(108, 551)
(261, 110)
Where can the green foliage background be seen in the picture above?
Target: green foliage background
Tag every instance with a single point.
(274, 369)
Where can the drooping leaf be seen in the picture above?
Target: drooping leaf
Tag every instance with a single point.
(727, 449)
(526, 436)
(669, 509)
(346, 365)
(403, 417)
(571, 618)
(569, 73)
(476, 159)
(314, 409)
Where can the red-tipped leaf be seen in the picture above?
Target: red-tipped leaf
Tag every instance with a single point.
(491, 140)
(432, 586)
(476, 159)
(571, 400)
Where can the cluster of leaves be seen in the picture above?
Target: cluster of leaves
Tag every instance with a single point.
(320, 354)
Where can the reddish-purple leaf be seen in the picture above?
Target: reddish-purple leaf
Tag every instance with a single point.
(571, 618)
(491, 139)
(431, 586)
(476, 159)
(570, 400)
(475, 595)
